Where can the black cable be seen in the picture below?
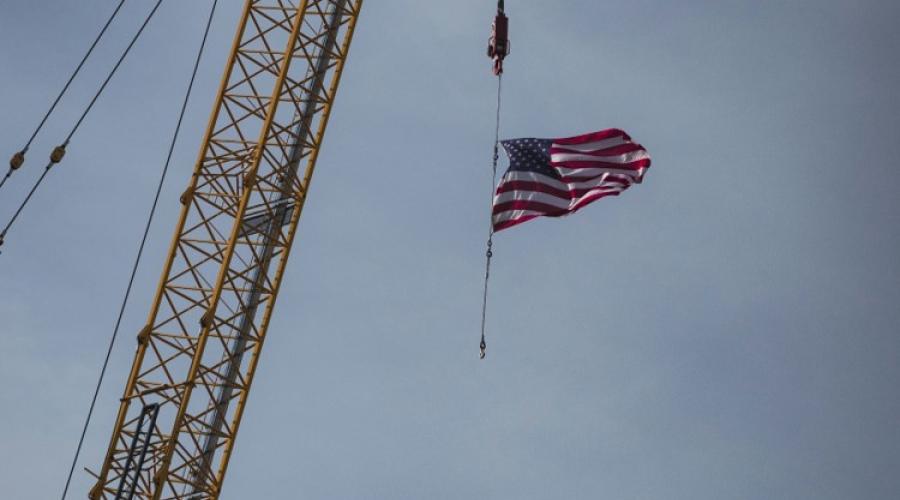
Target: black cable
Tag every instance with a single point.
(25, 202)
(69, 82)
(140, 251)
(113, 72)
(15, 163)
(60, 150)
(7, 176)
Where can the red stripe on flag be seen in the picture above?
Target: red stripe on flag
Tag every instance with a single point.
(571, 194)
(532, 186)
(634, 165)
(593, 136)
(536, 206)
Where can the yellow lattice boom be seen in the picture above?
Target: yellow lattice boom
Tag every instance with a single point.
(196, 357)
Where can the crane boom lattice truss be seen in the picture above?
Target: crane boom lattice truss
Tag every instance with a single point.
(177, 422)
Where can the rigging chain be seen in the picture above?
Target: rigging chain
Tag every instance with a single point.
(59, 151)
(140, 251)
(490, 242)
(498, 49)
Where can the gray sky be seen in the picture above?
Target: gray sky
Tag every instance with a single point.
(727, 330)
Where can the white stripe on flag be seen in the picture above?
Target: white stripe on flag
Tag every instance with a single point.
(589, 172)
(556, 201)
(514, 214)
(518, 175)
(622, 158)
(593, 146)
(535, 196)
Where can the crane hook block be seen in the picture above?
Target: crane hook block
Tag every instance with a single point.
(17, 160)
(498, 44)
(58, 153)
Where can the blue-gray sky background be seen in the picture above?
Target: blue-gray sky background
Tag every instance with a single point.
(727, 330)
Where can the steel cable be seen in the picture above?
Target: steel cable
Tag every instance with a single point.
(60, 150)
(19, 158)
(140, 251)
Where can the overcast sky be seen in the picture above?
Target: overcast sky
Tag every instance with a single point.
(726, 330)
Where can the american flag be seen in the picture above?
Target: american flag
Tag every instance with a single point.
(555, 177)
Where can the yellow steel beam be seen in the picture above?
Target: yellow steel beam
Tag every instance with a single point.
(229, 251)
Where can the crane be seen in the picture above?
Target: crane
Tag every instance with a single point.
(181, 409)
(197, 354)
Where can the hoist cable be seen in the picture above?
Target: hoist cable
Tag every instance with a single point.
(60, 150)
(490, 242)
(19, 157)
(140, 252)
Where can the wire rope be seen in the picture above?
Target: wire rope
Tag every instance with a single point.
(18, 159)
(140, 251)
(60, 150)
